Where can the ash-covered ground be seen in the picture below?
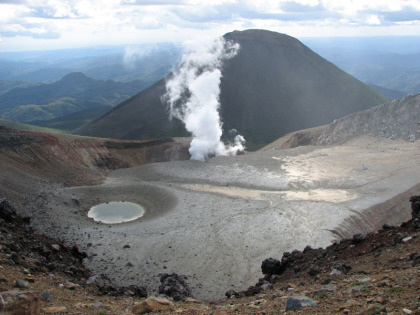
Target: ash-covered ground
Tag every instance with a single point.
(216, 221)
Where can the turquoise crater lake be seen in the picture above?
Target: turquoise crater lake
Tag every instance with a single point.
(116, 212)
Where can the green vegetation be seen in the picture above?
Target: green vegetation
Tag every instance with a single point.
(73, 93)
(16, 125)
(73, 120)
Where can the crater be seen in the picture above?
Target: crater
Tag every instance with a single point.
(156, 201)
(116, 212)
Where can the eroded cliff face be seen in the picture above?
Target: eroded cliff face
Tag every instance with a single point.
(30, 159)
(399, 119)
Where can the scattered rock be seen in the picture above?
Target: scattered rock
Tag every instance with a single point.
(55, 247)
(335, 272)
(407, 239)
(357, 289)
(46, 296)
(19, 302)
(415, 259)
(54, 310)
(135, 290)
(363, 280)
(412, 138)
(313, 271)
(76, 201)
(373, 309)
(342, 266)
(174, 286)
(267, 286)
(297, 302)
(358, 238)
(71, 286)
(351, 303)
(152, 304)
(21, 284)
(77, 252)
(415, 206)
(192, 300)
(326, 289)
(232, 293)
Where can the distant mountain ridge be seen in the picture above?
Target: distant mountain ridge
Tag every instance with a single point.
(147, 63)
(273, 86)
(74, 92)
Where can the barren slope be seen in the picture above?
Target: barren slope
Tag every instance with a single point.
(29, 158)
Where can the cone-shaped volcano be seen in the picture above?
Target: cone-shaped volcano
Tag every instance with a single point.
(273, 86)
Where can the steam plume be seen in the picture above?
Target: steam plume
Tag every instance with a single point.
(193, 97)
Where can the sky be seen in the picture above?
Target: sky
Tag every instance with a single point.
(55, 24)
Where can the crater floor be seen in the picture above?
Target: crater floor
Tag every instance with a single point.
(216, 221)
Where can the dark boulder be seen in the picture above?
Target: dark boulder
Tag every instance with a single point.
(136, 290)
(7, 212)
(313, 271)
(232, 293)
(101, 281)
(415, 206)
(415, 259)
(358, 238)
(78, 253)
(297, 302)
(174, 286)
(272, 266)
(342, 266)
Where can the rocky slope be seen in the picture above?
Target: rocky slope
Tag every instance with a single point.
(398, 119)
(274, 85)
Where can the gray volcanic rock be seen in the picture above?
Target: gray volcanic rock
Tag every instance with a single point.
(274, 85)
(174, 286)
(297, 302)
(399, 119)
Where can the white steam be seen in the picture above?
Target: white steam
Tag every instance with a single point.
(193, 97)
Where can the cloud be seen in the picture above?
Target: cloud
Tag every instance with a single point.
(12, 1)
(406, 15)
(178, 19)
(37, 31)
(291, 6)
(154, 2)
